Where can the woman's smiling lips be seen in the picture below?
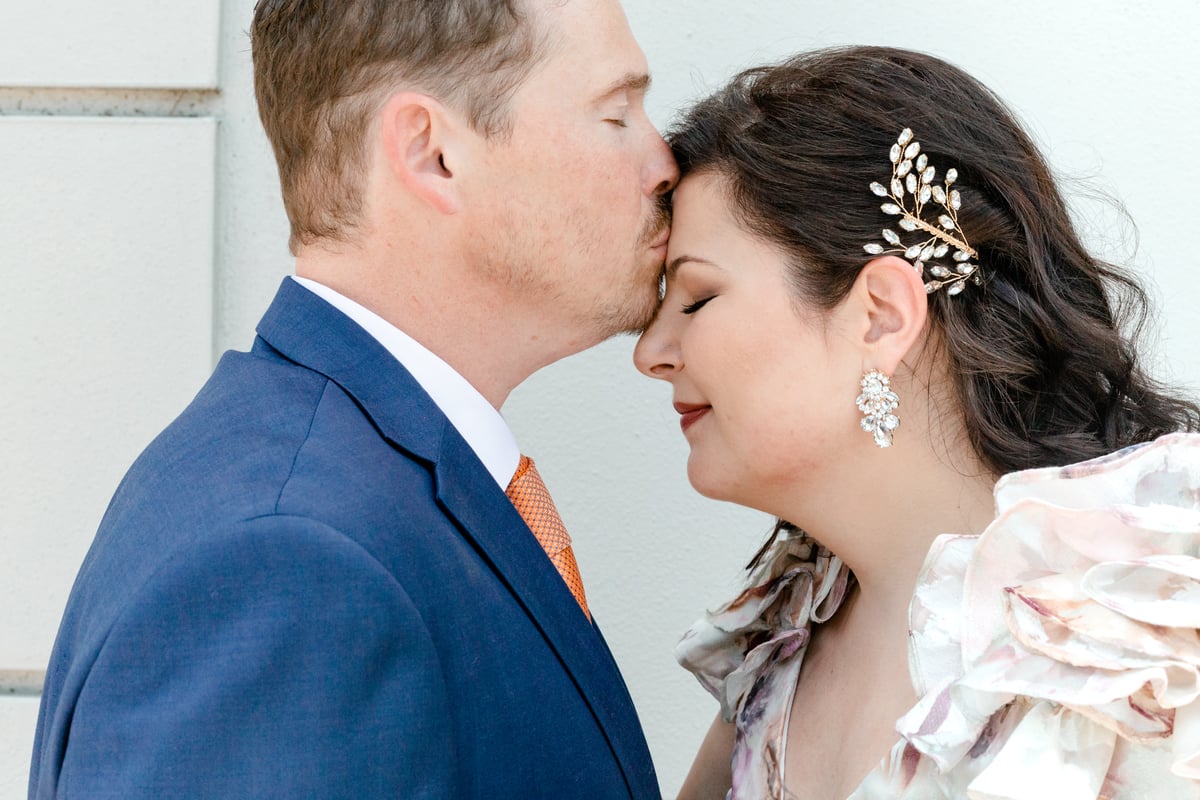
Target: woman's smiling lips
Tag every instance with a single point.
(689, 413)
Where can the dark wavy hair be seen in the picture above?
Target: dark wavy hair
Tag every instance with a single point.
(1042, 355)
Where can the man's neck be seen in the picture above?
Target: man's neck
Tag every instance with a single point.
(486, 337)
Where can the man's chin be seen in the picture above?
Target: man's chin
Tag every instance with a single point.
(637, 319)
(631, 314)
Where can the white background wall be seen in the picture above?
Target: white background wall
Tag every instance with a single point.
(136, 245)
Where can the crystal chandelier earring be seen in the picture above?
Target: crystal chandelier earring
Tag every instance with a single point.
(878, 404)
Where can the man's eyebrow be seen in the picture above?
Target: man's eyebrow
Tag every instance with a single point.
(679, 261)
(633, 82)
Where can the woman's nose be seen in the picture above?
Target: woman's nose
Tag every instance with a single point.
(657, 352)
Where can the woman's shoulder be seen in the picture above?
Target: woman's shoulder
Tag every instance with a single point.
(1066, 635)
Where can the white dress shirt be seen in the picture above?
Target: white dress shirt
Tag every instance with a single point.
(476, 420)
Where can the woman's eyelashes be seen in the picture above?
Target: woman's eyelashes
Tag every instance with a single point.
(692, 308)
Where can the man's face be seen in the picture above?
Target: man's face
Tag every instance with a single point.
(570, 202)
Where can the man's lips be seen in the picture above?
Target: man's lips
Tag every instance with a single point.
(689, 413)
(661, 240)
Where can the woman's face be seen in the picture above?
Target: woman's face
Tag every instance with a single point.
(765, 385)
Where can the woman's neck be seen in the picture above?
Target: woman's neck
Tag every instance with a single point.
(882, 522)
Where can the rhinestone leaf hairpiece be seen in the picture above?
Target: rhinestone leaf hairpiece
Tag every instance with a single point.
(912, 195)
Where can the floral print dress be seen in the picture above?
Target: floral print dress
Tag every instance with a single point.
(1056, 655)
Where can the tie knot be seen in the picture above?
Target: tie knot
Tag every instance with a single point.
(523, 467)
(531, 498)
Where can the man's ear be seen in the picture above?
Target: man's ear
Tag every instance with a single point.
(417, 132)
(895, 309)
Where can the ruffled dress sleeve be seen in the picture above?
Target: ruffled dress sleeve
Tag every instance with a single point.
(1057, 655)
(748, 652)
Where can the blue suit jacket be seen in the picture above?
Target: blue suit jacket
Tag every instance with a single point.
(308, 586)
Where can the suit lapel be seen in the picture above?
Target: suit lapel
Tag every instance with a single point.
(488, 517)
(309, 331)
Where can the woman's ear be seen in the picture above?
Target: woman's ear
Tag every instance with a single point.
(418, 133)
(895, 309)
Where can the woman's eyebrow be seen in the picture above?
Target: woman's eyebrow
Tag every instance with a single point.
(679, 261)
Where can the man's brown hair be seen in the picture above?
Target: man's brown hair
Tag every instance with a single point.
(323, 67)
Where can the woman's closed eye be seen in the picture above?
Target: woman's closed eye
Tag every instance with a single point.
(692, 308)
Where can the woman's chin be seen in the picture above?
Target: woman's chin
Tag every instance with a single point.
(755, 491)
(712, 483)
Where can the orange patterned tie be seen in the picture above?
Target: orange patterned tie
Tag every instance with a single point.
(532, 501)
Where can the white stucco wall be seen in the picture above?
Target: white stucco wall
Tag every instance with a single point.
(1109, 89)
(131, 43)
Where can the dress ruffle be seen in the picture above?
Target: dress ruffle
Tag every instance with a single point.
(748, 653)
(1068, 663)
(1056, 655)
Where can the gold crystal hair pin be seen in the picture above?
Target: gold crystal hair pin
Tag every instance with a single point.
(913, 180)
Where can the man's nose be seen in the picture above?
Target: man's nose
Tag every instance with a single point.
(663, 172)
